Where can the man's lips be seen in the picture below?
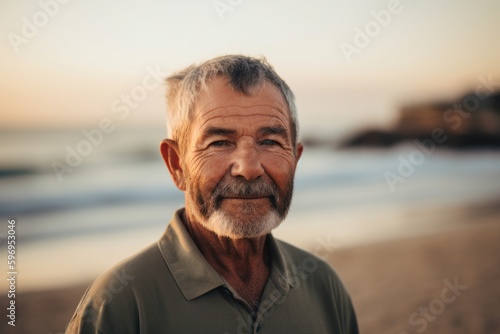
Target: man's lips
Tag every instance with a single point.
(241, 200)
(247, 198)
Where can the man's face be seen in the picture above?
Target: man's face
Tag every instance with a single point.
(239, 161)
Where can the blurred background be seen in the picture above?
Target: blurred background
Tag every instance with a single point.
(399, 108)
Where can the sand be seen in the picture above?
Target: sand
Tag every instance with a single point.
(388, 283)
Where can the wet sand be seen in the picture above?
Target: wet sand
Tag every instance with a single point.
(400, 286)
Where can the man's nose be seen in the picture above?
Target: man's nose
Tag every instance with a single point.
(246, 163)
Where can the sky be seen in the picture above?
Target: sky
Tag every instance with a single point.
(83, 58)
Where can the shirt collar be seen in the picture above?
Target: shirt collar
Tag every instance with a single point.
(192, 272)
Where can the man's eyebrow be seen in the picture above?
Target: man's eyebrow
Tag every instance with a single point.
(274, 130)
(213, 131)
(267, 130)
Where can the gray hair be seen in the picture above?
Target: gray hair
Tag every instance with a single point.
(244, 73)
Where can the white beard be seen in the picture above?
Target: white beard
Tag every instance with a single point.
(223, 225)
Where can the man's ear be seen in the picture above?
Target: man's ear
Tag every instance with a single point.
(171, 155)
(298, 153)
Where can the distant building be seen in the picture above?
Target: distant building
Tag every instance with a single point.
(470, 122)
(468, 115)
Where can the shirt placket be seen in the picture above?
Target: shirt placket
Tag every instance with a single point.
(274, 291)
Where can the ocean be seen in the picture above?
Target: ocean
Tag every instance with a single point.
(118, 198)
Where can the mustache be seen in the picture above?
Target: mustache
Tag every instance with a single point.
(234, 187)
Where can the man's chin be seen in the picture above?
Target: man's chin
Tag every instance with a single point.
(242, 227)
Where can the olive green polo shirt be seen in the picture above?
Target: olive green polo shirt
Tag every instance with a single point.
(170, 288)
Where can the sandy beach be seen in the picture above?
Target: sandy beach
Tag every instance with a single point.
(447, 282)
(395, 282)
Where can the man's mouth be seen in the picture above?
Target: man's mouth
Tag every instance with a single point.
(246, 197)
(258, 200)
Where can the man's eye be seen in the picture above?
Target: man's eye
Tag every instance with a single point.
(219, 143)
(269, 142)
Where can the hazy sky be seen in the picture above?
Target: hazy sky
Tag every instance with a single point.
(86, 55)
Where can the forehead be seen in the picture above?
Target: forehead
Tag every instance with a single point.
(220, 102)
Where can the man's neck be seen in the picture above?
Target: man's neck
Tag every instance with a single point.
(244, 263)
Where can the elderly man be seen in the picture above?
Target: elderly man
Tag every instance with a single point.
(233, 151)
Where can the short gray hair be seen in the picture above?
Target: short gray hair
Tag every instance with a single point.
(243, 73)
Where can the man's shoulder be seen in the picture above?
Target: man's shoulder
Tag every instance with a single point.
(312, 273)
(318, 270)
(115, 296)
(125, 275)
